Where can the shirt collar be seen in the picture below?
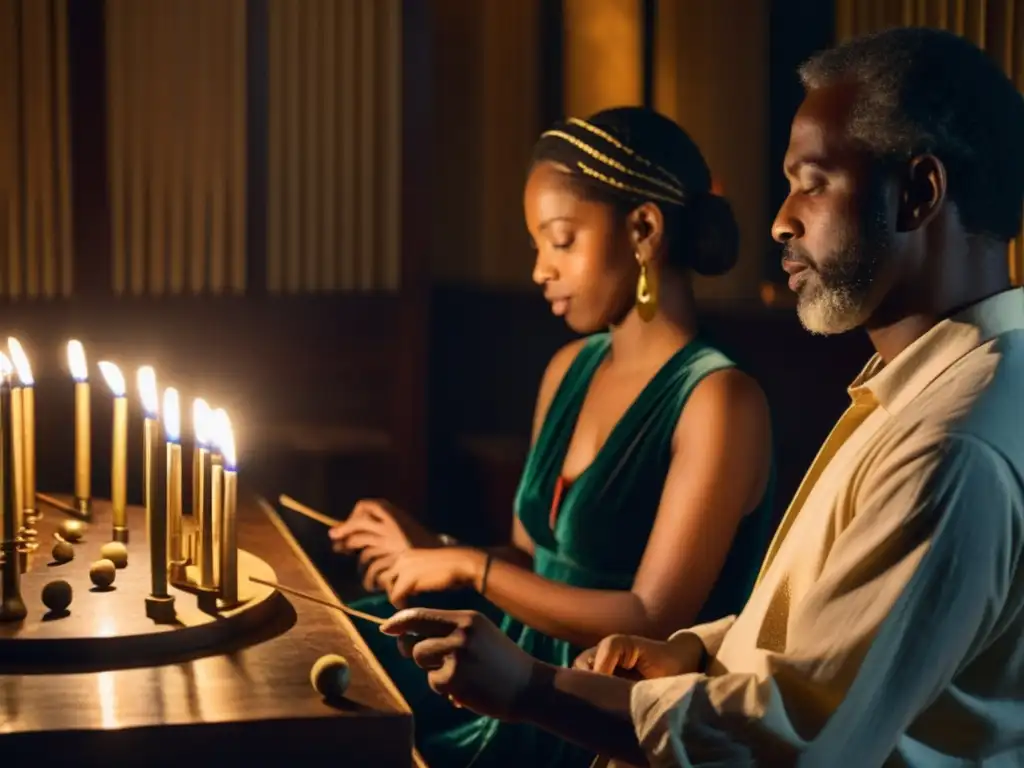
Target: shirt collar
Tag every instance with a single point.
(894, 385)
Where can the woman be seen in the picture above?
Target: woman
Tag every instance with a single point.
(644, 503)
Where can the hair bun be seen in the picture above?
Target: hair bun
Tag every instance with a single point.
(716, 244)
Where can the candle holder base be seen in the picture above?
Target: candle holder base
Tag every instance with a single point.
(120, 534)
(84, 508)
(13, 609)
(177, 573)
(161, 609)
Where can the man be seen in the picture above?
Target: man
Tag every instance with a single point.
(888, 622)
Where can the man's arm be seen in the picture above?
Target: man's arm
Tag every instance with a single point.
(910, 589)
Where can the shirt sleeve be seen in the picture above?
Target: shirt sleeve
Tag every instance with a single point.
(909, 592)
(710, 634)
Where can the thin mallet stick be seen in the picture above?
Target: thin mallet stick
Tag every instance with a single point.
(59, 505)
(339, 606)
(302, 509)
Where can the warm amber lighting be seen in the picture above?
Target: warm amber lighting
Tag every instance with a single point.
(76, 361)
(6, 369)
(114, 378)
(225, 438)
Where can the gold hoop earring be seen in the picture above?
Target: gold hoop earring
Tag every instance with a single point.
(646, 293)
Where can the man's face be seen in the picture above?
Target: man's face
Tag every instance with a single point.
(836, 224)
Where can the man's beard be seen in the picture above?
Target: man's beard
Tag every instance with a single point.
(835, 296)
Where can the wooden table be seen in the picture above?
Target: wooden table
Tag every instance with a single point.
(252, 701)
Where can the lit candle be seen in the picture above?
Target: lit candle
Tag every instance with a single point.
(17, 436)
(83, 477)
(229, 527)
(216, 501)
(28, 437)
(119, 451)
(202, 512)
(12, 607)
(159, 604)
(172, 428)
(146, 380)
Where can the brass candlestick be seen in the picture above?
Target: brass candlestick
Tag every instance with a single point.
(228, 527)
(175, 543)
(202, 512)
(216, 512)
(159, 603)
(119, 452)
(23, 437)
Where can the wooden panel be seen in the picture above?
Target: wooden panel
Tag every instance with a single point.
(334, 146)
(35, 168)
(996, 26)
(603, 60)
(176, 84)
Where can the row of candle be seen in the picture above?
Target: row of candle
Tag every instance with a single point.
(214, 444)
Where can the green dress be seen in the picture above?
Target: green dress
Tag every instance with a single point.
(601, 524)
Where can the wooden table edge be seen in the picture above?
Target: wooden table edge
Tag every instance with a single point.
(339, 616)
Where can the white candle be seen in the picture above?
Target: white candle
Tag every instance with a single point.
(119, 451)
(229, 522)
(146, 381)
(172, 427)
(202, 512)
(83, 471)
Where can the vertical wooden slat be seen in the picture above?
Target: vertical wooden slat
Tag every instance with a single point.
(199, 101)
(155, 18)
(275, 154)
(329, 145)
(311, 118)
(347, 253)
(367, 254)
(63, 119)
(31, 89)
(392, 150)
(116, 73)
(292, 141)
(216, 122)
(47, 115)
(134, 123)
(10, 184)
(178, 27)
(238, 141)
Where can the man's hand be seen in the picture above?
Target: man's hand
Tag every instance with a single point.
(467, 658)
(647, 658)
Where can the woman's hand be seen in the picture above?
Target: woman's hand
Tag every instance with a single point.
(432, 570)
(644, 657)
(376, 528)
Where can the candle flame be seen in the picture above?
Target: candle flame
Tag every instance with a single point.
(76, 361)
(172, 415)
(20, 360)
(146, 378)
(114, 378)
(6, 369)
(225, 437)
(202, 422)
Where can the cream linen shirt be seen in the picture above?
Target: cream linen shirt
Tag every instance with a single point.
(887, 626)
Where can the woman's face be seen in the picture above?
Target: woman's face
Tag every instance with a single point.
(585, 261)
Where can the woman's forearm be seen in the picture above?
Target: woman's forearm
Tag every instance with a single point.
(513, 554)
(580, 616)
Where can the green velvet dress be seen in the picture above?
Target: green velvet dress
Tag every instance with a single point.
(589, 534)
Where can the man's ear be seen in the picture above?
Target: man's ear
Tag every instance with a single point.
(922, 193)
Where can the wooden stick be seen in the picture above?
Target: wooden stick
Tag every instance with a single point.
(57, 504)
(302, 509)
(338, 606)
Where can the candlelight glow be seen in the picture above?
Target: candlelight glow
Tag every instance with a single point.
(6, 369)
(114, 378)
(172, 415)
(146, 378)
(76, 361)
(202, 422)
(20, 361)
(225, 438)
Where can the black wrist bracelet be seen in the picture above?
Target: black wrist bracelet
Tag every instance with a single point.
(486, 571)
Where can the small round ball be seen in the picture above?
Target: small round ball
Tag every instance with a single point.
(330, 676)
(102, 573)
(115, 552)
(57, 596)
(72, 530)
(63, 552)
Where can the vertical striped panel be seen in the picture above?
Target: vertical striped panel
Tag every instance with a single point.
(176, 72)
(36, 259)
(997, 26)
(334, 154)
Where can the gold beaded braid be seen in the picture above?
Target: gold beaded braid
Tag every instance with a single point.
(625, 187)
(622, 147)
